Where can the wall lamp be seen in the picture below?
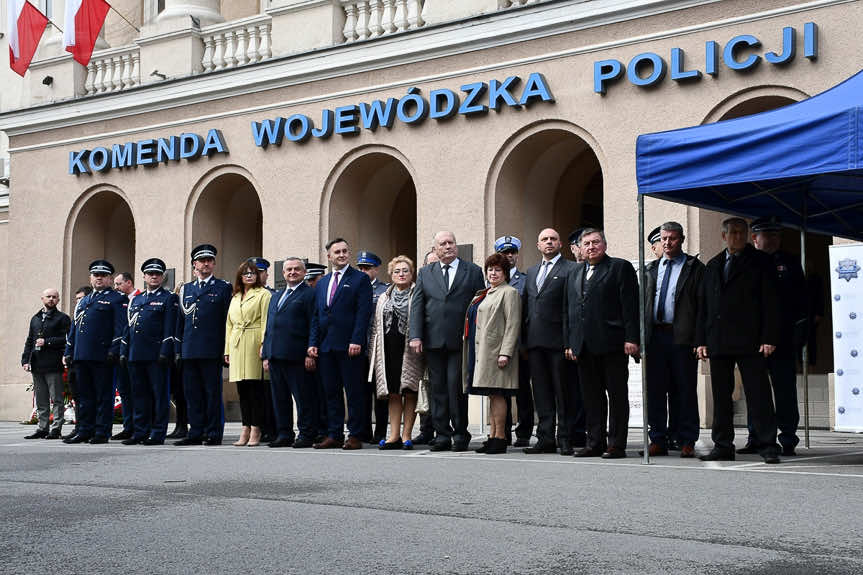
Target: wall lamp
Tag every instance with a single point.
(48, 80)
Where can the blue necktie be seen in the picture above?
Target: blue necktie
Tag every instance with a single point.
(663, 292)
(284, 298)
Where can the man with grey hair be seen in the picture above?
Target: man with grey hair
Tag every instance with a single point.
(442, 295)
(43, 358)
(738, 324)
(671, 292)
(285, 354)
(601, 329)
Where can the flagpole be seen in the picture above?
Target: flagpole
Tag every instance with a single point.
(54, 25)
(120, 14)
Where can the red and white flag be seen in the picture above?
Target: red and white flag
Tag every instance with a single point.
(26, 25)
(84, 20)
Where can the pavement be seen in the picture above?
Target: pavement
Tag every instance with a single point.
(134, 509)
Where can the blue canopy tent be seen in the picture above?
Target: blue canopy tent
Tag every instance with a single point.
(802, 163)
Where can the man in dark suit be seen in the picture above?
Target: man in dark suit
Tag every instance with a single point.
(93, 348)
(738, 323)
(148, 346)
(442, 295)
(671, 292)
(200, 344)
(601, 329)
(339, 333)
(542, 335)
(782, 364)
(509, 246)
(285, 353)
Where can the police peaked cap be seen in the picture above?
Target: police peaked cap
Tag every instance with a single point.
(314, 270)
(204, 251)
(770, 224)
(507, 243)
(654, 235)
(260, 263)
(153, 265)
(368, 259)
(101, 267)
(575, 236)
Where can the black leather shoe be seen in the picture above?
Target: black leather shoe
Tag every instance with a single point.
(97, 439)
(566, 447)
(588, 452)
(178, 433)
(522, 442)
(303, 442)
(463, 445)
(38, 434)
(440, 446)
(54, 434)
(212, 441)
(495, 446)
(748, 449)
(133, 440)
(541, 447)
(188, 441)
(281, 442)
(771, 457)
(77, 438)
(151, 441)
(422, 439)
(717, 454)
(70, 435)
(614, 453)
(122, 435)
(788, 451)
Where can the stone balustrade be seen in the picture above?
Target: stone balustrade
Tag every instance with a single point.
(113, 70)
(237, 43)
(366, 19)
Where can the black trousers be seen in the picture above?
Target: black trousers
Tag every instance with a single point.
(448, 401)
(759, 400)
(575, 408)
(549, 394)
(179, 396)
(253, 402)
(523, 402)
(671, 367)
(288, 383)
(782, 367)
(604, 388)
(381, 408)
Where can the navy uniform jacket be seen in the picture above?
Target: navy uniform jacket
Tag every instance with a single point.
(288, 329)
(517, 280)
(791, 288)
(347, 320)
(201, 323)
(98, 325)
(151, 326)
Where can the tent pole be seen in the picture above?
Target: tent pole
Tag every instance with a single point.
(805, 356)
(642, 328)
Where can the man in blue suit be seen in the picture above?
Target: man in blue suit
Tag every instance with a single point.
(285, 354)
(148, 346)
(200, 344)
(339, 333)
(92, 348)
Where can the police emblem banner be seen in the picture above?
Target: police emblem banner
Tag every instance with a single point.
(846, 291)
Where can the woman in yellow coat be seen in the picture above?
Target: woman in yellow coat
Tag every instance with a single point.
(244, 332)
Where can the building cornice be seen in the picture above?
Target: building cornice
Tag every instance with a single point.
(499, 29)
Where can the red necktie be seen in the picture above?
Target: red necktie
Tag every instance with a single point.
(333, 289)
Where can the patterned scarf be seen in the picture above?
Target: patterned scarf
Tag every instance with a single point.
(397, 303)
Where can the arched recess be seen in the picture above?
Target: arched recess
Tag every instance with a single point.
(370, 200)
(547, 175)
(100, 226)
(753, 101)
(224, 209)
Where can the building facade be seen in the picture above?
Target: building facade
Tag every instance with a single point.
(268, 127)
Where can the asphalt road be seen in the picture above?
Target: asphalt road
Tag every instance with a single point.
(114, 509)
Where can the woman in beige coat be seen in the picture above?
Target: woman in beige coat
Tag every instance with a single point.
(397, 370)
(244, 332)
(490, 351)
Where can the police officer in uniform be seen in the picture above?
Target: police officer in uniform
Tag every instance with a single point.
(148, 346)
(370, 264)
(782, 364)
(314, 272)
(92, 348)
(200, 343)
(263, 267)
(509, 246)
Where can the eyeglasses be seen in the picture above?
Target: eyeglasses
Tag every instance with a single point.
(249, 274)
